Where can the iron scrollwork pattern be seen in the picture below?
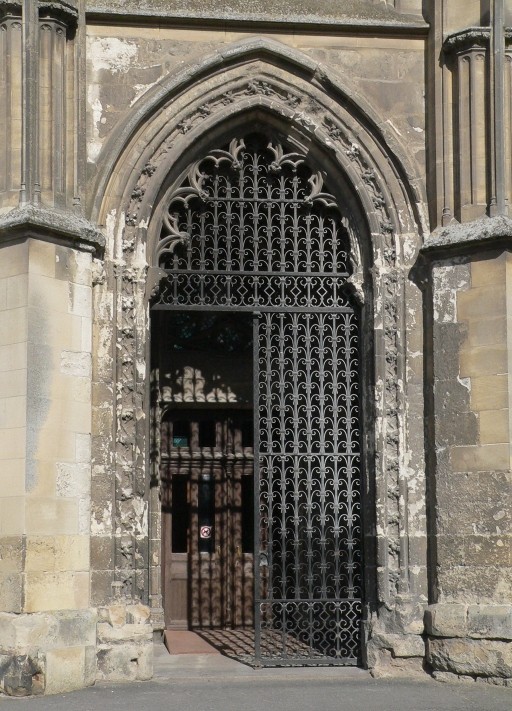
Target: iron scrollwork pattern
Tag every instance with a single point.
(252, 229)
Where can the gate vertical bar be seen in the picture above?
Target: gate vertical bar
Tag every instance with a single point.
(256, 485)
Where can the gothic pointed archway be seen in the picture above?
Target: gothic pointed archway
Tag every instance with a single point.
(297, 103)
(251, 229)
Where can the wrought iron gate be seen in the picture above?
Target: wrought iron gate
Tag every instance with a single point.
(251, 229)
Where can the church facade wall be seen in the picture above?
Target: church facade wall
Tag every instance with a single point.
(407, 111)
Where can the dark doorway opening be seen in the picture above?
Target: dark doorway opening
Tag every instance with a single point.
(206, 470)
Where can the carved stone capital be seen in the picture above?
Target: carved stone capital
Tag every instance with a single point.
(472, 38)
(485, 233)
(53, 226)
(65, 10)
(9, 7)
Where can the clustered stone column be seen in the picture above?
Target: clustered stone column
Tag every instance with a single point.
(467, 274)
(48, 627)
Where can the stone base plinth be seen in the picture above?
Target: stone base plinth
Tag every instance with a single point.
(470, 641)
(47, 652)
(125, 643)
(396, 654)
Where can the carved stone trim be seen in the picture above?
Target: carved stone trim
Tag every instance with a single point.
(59, 9)
(471, 38)
(75, 231)
(312, 116)
(9, 7)
(486, 233)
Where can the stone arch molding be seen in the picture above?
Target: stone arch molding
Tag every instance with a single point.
(264, 73)
(177, 122)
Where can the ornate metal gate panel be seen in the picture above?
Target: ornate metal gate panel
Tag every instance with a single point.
(251, 229)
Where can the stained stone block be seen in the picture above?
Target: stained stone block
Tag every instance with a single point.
(480, 503)
(489, 457)
(488, 550)
(446, 620)
(22, 675)
(101, 586)
(127, 662)
(490, 621)
(125, 642)
(65, 670)
(101, 552)
(401, 645)
(488, 584)
(471, 656)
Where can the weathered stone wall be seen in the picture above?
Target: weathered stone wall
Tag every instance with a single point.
(468, 624)
(132, 88)
(124, 65)
(46, 447)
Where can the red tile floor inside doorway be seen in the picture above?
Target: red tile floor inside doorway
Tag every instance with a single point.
(186, 642)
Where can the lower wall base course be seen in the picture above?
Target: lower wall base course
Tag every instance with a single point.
(384, 665)
(23, 674)
(465, 620)
(47, 652)
(392, 654)
(471, 657)
(124, 642)
(125, 662)
(449, 678)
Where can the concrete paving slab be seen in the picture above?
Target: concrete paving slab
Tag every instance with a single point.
(216, 683)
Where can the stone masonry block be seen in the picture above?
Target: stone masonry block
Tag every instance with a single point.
(23, 674)
(481, 301)
(73, 479)
(120, 633)
(489, 392)
(484, 360)
(11, 554)
(127, 662)
(48, 630)
(487, 331)
(24, 632)
(475, 584)
(446, 620)
(479, 503)
(490, 621)
(77, 363)
(401, 645)
(474, 657)
(482, 550)
(65, 670)
(486, 272)
(488, 457)
(80, 300)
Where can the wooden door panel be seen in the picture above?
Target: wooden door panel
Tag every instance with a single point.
(210, 583)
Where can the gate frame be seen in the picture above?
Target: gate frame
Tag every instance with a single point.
(190, 188)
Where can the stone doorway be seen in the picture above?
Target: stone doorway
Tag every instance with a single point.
(254, 259)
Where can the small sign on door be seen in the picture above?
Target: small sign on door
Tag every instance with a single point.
(205, 532)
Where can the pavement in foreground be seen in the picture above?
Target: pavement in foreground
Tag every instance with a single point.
(215, 683)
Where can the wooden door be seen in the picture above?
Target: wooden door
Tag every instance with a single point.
(207, 485)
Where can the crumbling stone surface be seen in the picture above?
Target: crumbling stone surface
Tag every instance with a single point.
(125, 642)
(322, 11)
(22, 674)
(395, 654)
(50, 653)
